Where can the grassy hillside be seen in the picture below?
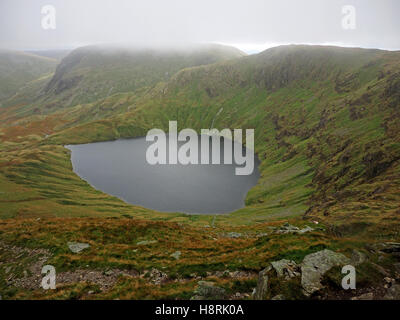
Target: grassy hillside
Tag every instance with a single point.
(94, 72)
(326, 122)
(17, 69)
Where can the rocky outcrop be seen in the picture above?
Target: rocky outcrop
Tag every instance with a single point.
(283, 268)
(261, 291)
(288, 228)
(286, 268)
(311, 270)
(207, 290)
(315, 265)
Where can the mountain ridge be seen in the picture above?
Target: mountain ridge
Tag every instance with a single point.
(327, 134)
(308, 105)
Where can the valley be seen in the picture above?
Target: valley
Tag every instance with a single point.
(326, 122)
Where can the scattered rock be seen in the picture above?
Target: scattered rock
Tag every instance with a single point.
(77, 247)
(208, 290)
(157, 276)
(38, 257)
(239, 274)
(233, 235)
(388, 282)
(365, 296)
(393, 293)
(146, 242)
(288, 228)
(315, 265)
(262, 234)
(176, 255)
(261, 290)
(232, 274)
(306, 229)
(104, 280)
(286, 268)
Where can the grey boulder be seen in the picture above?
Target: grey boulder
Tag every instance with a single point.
(260, 293)
(77, 247)
(208, 290)
(286, 268)
(315, 265)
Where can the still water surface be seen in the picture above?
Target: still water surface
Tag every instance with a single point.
(119, 168)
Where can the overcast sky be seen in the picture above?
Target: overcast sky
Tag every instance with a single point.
(251, 25)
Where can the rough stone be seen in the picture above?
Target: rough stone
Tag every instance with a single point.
(288, 228)
(77, 247)
(306, 229)
(157, 276)
(146, 242)
(233, 235)
(208, 290)
(315, 265)
(176, 255)
(261, 290)
(286, 268)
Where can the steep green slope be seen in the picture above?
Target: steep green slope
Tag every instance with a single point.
(326, 121)
(327, 125)
(19, 68)
(91, 73)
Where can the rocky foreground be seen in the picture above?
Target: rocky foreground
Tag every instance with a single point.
(145, 265)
